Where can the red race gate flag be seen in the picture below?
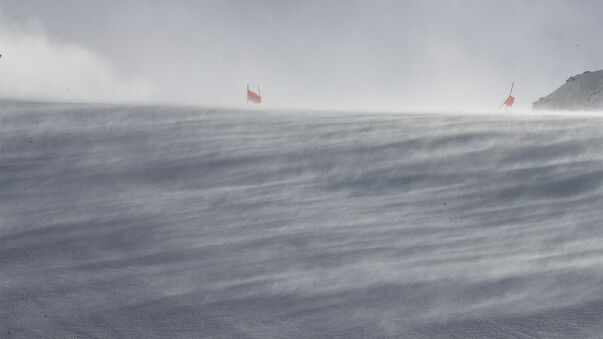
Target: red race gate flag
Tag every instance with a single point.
(254, 97)
(510, 99)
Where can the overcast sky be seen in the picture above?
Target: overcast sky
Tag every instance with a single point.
(382, 55)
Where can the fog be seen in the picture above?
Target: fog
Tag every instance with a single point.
(362, 55)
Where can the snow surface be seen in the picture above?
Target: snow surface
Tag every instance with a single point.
(580, 92)
(144, 222)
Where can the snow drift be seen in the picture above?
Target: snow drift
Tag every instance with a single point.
(143, 222)
(580, 92)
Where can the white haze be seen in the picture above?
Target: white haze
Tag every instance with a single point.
(363, 55)
(39, 68)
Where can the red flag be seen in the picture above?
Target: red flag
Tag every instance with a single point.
(510, 99)
(253, 97)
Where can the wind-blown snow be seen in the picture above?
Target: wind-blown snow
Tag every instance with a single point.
(580, 92)
(172, 222)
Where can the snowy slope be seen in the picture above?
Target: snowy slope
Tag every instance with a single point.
(580, 92)
(143, 222)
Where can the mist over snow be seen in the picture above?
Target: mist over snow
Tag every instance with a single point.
(361, 55)
(36, 66)
(155, 222)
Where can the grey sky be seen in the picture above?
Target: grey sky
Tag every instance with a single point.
(329, 54)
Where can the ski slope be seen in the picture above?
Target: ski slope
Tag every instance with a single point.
(119, 221)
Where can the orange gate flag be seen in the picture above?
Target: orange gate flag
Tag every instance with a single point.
(510, 99)
(254, 97)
